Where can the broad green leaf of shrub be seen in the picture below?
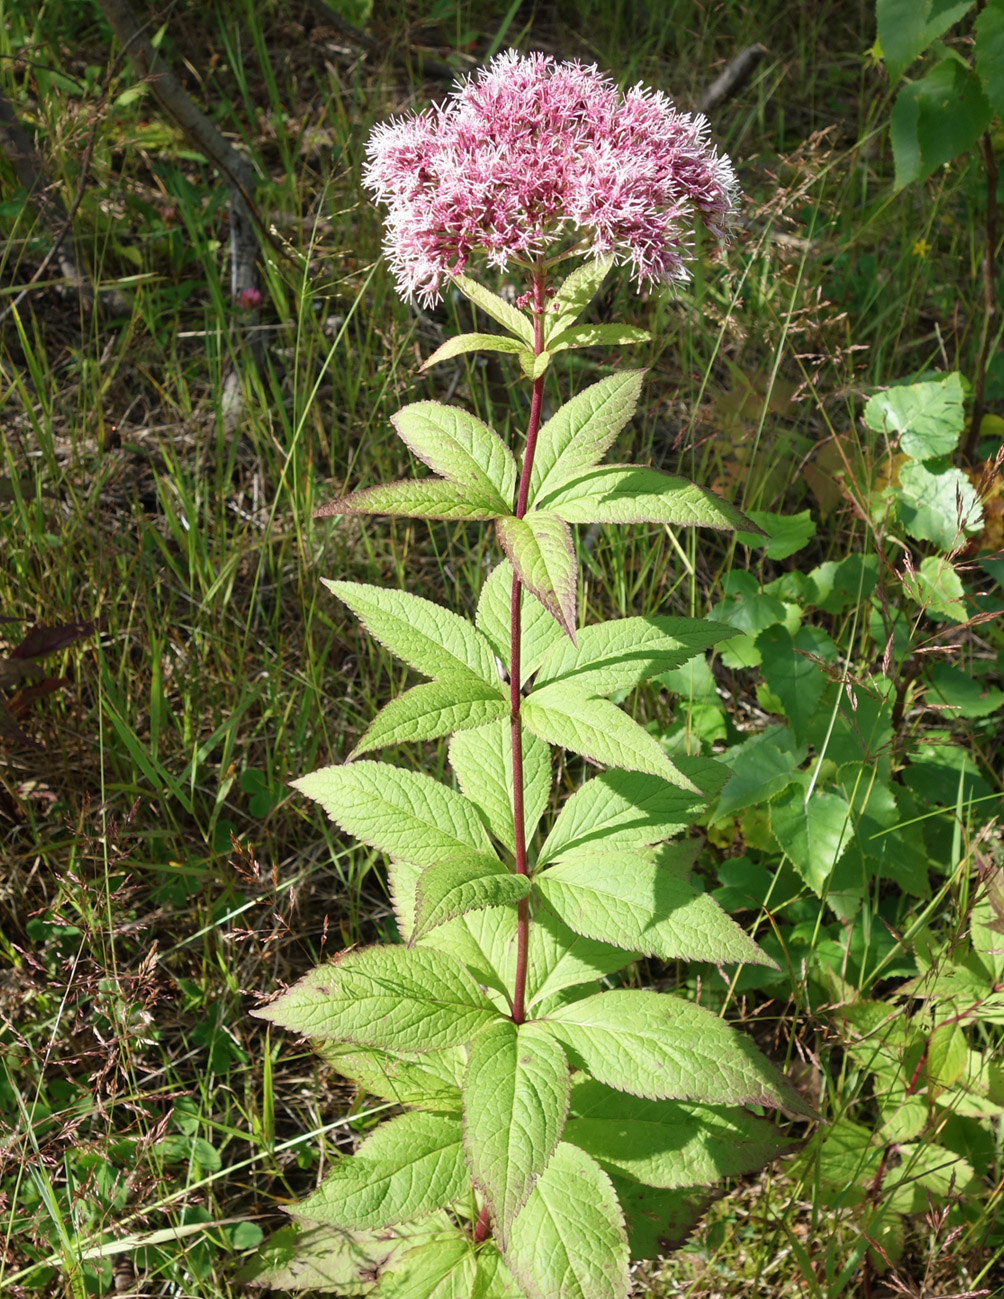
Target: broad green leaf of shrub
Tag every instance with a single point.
(579, 433)
(388, 997)
(402, 813)
(783, 534)
(989, 29)
(927, 416)
(467, 882)
(432, 640)
(658, 1220)
(937, 588)
(458, 447)
(540, 549)
(761, 767)
(947, 1057)
(655, 1045)
(907, 27)
(668, 1143)
(813, 830)
(637, 494)
(618, 655)
(407, 1168)
(793, 677)
(568, 1241)
(966, 695)
(538, 631)
(482, 763)
(627, 899)
(515, 1100)
(937, 118)
(564, 715)
(434, 709)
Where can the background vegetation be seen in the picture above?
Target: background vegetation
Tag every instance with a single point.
(159, 876)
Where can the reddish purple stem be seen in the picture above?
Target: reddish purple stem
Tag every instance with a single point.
(515, 697)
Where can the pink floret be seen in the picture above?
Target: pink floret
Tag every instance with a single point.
(530, 158)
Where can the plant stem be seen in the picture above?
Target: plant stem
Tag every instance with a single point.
(515, 697)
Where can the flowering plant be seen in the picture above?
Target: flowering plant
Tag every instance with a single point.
(555, 1122)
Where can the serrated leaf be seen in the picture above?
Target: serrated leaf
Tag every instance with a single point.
(482, 763)
(927, 416)
(797, 681)
(568, 1241)
(432, 640)
(408, 1167)
(419, 498)
(906, 28)
(560, 958)
(574, 294)
(620, 809)
(656, 1045)
(989, 31)
(659, 1221)
(668, 1143)
(459, 448)
(435, 708)
(466, 883)
(761, 766)
(580, 432)
(402, 813)
(783, 534)
(462, 343)
(947, 1057)
(540, 549)
(937, 588)
(387, 997)
(813, 831)
(623, 898)
(621, 654)
(937, 118)
(597, 336)
(939, 507)
(637, 494)
(499, 310)
(315, 1257)
(443, 1268)
(493, 1280)
(539, 630)
(515, 1101)
(534, 364)
(428, 1081)
(562, 714)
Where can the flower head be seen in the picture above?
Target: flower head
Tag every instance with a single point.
(531, 158)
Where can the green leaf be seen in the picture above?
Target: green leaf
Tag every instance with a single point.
(405, 1169)
(443, 1268)
(626, 899)
(989, 29)
(461, 343)
(936, 119)
(419, 498)
(761, 767)
(668, 1143)
(402, 813)
(387, 997)
(797, 681)
(494, 1280)
(597, 336)
(466, 883)
(655, 1045)
(432, 640)
(482, 762)
(435, 708)
(636, 494)
(540, 549)
(428, 1081)
(515, 1101)
(562, 714)
(578, 434)
(621, 654)
(559, 958)
(534, 364)
(783, 534)
(539, 629)
(659, 1221)
(459, 448)
(937, 588)
(314, 1257)
(621, 809)
(813, 831)
(971, 696)
(575, 294)
(947, 1057)
(568, 1241)
(907, 27)
(499, 310)
(927, 416)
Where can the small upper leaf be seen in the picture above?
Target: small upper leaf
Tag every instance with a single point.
(578, 434)
(637, 494)
(387, 997)
(499, 310)
(461, 343)
(459, 448)
(574, 294)
(433, 709)
(540, 549)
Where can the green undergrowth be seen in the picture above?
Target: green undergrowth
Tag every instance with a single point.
(160, 872)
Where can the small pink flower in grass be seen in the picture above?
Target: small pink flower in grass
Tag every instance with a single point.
(533, 158)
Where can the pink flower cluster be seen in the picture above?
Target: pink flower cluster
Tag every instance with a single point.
(533, 158)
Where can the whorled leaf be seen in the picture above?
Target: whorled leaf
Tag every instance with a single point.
(468, 882)
(482, 763)
(574, 294)
(461, 343)
(580, 432)
(538, 632)
(420, 498)
(637, 494)
(427, 1081)
(539, 547)
(433, 709)
(598, 336)
(499, 310)
(458, 447)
